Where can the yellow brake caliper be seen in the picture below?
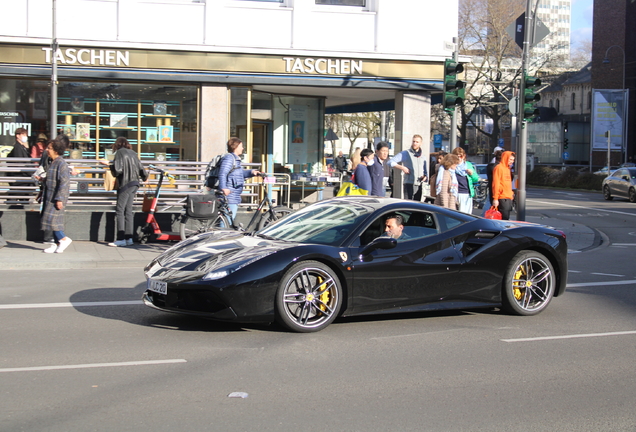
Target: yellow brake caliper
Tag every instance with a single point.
(517, 291)
(324, 297)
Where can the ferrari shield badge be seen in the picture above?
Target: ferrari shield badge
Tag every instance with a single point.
(343, 255)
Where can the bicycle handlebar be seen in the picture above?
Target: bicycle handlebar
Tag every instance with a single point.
(170, 176)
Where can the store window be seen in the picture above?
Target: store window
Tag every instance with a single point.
(23, 104)
(159, 121)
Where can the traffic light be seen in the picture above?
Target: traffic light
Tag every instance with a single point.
(565, 139)
(530, 97)
(453, 88)
(565, 143)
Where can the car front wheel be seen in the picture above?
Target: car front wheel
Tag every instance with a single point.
(529, 284)
(309, 297)
(606, 193)
(632, 195)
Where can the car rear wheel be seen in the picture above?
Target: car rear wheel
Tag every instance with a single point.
(309, 297)
(632, 195)
(529, 284)
(606, 193)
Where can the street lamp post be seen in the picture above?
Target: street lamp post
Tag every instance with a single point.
(607, 61)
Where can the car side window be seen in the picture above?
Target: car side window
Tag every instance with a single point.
(447, 223)
(416, 225)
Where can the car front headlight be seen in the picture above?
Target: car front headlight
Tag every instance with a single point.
(218, 274)
(214, 275)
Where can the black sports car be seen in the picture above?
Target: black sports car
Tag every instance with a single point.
(360, 255)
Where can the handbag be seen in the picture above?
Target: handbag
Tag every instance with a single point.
(201, 206)
(493, 213)
(350, 189)
(110, 181)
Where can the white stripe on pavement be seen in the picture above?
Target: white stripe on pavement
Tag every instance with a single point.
(93, 365)
(589, 335)
(607, 274)
(584, 284)
(623, 244)
(581, 207)
(69, 304)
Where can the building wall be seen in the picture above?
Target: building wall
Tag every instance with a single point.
(384, 27)
(614, 35)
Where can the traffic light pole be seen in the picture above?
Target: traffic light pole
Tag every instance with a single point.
(453, 134)
(520, 161)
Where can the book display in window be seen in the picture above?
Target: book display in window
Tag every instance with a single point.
(77, 104)
(119, 120)
(159, 108)
(83, 131)
(151, 134)
(165, 133)
(69, 131)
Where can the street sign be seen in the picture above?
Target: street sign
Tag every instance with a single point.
(513, 106)
(566, 155)
(500, 143)
(437, 141)
(516, 30)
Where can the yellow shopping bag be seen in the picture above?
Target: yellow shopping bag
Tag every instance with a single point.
(348, 189)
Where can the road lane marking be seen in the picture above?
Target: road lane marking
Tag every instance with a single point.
(575, 336)
(71, 304)
(584, 284)
(93, 365)
(607, 274)
(623, 244)
(581, 207)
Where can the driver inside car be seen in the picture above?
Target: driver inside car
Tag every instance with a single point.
(394, 226)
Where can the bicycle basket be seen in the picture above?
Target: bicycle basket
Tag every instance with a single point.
(201, 206)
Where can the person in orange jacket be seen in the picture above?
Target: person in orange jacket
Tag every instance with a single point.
(502, 193)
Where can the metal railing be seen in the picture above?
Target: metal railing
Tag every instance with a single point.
(87, 187)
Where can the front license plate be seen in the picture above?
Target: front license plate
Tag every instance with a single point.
(157, 286)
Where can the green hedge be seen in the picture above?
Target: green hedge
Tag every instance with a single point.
(569, 178)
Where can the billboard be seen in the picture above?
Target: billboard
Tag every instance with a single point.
(609, 113)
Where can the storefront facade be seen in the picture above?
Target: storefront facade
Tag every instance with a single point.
(183, 101)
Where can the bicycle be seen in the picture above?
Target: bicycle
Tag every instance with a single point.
(265, 214)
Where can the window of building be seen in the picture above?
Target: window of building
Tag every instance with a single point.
(551, 105)
(589, 100)
(359, 3)
(558, 106)
(573, 101)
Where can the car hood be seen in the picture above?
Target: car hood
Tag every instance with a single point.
(215, 250)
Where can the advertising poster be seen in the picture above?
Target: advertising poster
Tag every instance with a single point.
(297, 134)
(609, 109)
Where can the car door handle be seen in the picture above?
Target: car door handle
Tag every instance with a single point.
(448, 259)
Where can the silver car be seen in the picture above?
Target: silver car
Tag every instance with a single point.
(621, 183)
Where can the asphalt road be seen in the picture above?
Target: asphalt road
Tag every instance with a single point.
(79, 353)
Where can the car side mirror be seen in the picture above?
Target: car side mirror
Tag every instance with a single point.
(626, 177)
(378, 243)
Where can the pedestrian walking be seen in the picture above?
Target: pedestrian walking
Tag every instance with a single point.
(55, 196)
(378, 170)
(446, 183)
(361, 175)
(502, 193)
(467, 177)
(232, 176)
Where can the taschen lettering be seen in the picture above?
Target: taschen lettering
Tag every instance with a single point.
(323, 66)
(88, 57)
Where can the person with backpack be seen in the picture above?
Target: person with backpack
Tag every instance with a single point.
(231, 176)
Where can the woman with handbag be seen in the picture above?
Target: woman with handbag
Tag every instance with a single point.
(446, 186)
(232, 176)
(128, 170)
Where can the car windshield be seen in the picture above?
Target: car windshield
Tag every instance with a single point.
(327, 223)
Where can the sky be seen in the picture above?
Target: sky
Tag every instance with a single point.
(581, 21)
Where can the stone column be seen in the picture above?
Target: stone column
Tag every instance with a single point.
(214, 122)
(412, 117)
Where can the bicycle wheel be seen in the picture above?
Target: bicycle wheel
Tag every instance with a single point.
(192, 226)
(279, 213)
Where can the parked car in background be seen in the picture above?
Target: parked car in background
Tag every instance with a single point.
(621, 183)
(481, 170)
(603, 171)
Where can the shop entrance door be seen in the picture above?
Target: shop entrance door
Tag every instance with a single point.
(262, 145)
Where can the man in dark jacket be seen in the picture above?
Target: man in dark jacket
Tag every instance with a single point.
(378, 170)
(340, 162)
(20, 150)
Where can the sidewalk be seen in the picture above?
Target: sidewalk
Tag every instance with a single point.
(86, 254)
(79, 255)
